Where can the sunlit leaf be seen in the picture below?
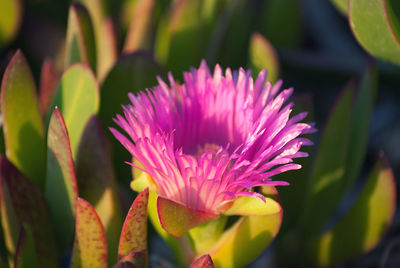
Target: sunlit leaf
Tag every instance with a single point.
(376, 27)
(80, 43)
(10, 20)
(325, 188)
(28, 206)
(78, 99)
(341, 5)
(96, 181)
(263, 56)
(90, 245)
(139, 33)
(25, 255)
(247, 238)
(22, 123)
(134, 231)
(363, 226)
(61, 187)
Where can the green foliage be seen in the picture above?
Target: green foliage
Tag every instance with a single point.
(10, 20)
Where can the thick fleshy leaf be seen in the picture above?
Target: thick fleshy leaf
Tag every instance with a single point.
(78, 99)
(248, 206)
(132, 72)
(246, 239)
(49, 79)
(360, 126)
(341, 5)
(183, 32)
(177, 219)
(326, 185)
(133, 259)
(263, 56)
(363, 226)
(204, 261)
(22, 123)
(10, 20)
(376, 28)
(28, 206)
(80, 43)
(134, 231)
(286, 14)
(139, 33)
(90, 246)
(96, 181)
(61, 187)
(25, 255)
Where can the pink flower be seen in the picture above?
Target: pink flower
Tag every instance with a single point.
(213, 138)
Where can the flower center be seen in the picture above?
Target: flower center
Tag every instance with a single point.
(205, 148)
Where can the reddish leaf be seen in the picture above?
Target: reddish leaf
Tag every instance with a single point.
(134, 231)
(133, 259)
(204, 261)
(90, 246)
(177, 219)
(49, 78)
(30, 207)
(61, 190)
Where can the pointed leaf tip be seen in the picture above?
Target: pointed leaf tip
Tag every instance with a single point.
(134, 231)
(204, 261)
(177, 219)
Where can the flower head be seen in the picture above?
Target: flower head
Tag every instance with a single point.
(214, 137)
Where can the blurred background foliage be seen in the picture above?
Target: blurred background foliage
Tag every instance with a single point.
(84, 56)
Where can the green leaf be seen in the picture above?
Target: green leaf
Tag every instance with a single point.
(23, 127)
(246, 239)
(182, 34)
(61, 188)
(364, 225)
(286, 14)
(376, 28)
(134, 231)
(325, 188)
(90, 246)
(28, 206)
(96, 181)
(341, 5)
(132, 72)
(139, 33)
(80, 43)
(204, 261)
(263, 56)
(10, 20)
(49, 79)
(177, 219)
(78, 99)
(360, 126)
(248, 206)
(26, 254)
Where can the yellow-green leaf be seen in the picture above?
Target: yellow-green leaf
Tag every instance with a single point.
(61, 189)
(25, 255)
(23, 127)
(341, 5)
(80, 43)
(90, 245)
(263, 56)
(376, 28)
(363, 226)
(248, 206)
(10, 20)
(78, 99)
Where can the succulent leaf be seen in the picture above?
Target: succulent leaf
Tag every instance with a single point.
(204, 261)
(25, 255)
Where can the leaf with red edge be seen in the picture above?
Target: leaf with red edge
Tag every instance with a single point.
(96, 181)
(49, 78)
(22, 122)
(134, 231)
(90, 246)
(29, 206)
(61, 187)
(204, 261)
(177, 219)
(137, 259)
